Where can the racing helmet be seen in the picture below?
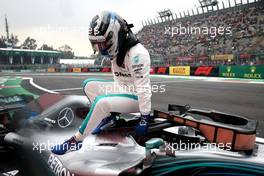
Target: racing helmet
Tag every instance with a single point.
(107, 33)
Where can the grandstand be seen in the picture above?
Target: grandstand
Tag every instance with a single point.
(242, 45)
(11, 58)
(15, 58)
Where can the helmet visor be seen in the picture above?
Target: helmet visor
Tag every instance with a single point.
(99, 44)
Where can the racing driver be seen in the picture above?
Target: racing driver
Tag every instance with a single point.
(111, 36)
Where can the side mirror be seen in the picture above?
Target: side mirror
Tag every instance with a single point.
(154, 143)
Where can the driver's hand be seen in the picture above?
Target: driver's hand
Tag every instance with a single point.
(142, 127)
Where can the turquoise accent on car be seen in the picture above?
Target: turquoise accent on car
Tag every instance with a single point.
(224, 173)
(227, 165)
(97, 99)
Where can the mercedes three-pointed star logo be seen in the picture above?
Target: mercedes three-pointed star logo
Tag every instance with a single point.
(65, 117)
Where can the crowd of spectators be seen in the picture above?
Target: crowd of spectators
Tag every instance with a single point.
(245, 35)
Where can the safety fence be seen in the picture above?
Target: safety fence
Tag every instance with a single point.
(248, 72)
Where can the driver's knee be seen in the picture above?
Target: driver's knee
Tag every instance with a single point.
(85, 82)
(89, 80)
(102, 103)
(89, 87)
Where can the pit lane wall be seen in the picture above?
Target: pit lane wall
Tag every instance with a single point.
(247, 72)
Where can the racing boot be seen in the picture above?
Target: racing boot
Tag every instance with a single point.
(142, 127)
(106, 122)
(69, 145)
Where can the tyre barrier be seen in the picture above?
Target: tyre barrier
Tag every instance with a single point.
(95, 69)
(204, 71)
(162, 70)
(84, 69)
(106, 70)
(152, 70)
(77, 70)
(69, 69)
(180, 70)
(51, 70)
(248, 72)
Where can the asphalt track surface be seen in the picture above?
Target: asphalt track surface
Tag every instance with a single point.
(233, 97)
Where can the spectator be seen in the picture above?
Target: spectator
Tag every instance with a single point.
(247, 35)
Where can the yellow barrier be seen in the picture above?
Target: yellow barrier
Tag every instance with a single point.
(180, 70)
(222, 57)
(51, 69)
(77, 70)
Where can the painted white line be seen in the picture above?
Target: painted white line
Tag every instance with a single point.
(181, 78)
(256, 82)
(213, 80)
(37, 86)
(210, 79)
(167, 82)
(228, 81)
(60, 90)
(260, 140)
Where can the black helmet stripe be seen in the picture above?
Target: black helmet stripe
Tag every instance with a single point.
(104, 23)
(93, 24)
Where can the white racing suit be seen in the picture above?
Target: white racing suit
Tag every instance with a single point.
(130, 92)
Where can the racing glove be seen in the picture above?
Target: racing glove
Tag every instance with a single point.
(142, 127)
(106, 122)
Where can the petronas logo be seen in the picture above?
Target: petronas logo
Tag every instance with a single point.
(228, 69)
(253, 69)
(136, 60)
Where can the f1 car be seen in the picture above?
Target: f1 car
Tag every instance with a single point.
(180, 141)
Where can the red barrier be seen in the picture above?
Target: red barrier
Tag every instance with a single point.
(162, 70)
(206, 71)
(106, 70)
(152, 70)
(245, 56)
(84, 69)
